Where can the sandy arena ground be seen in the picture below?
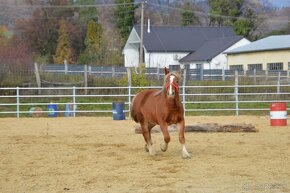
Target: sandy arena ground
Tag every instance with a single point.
(88, 155)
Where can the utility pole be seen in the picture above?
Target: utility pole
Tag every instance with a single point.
(142, 33)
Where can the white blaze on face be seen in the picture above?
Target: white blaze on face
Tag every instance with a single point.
(171, 78)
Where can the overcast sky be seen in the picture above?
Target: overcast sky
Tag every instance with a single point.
(280, 3)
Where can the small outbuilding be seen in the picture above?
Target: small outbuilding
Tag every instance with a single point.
(271, 53)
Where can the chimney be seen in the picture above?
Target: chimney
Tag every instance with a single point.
(148, 27)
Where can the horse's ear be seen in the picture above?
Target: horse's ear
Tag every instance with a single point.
(166, 71)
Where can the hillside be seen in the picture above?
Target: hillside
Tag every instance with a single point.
(274, 18)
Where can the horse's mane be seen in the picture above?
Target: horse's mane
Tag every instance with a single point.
(175, 73)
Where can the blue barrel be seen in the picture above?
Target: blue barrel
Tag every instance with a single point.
(31, 111)
(118, 111)
(68, 110)
(52, 110)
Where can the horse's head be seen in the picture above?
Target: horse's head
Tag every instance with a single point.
(171, 83)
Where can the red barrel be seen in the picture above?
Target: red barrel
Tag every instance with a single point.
(278, 114)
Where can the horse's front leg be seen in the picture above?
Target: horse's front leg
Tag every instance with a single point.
(181, 126)
(166, 136)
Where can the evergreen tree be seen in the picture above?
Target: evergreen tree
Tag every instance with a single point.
(3, 30)
(40, 31)
(187, 15)
(124, 16)
(94, 52)
(247, 25)
(85, 13)
(63, 49)
(221, 8)
(3, 35)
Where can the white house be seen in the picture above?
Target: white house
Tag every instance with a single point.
(194, 47)
(210, 55)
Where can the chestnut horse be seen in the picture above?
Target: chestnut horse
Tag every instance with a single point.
(160, 107)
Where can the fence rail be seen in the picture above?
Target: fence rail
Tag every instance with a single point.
(235, 99)
(192, 74)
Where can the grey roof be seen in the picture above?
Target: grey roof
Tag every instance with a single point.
(211, 48)
(277, 42)
(180, 39)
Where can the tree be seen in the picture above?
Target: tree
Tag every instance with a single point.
(93, 53)
(85, 13)
(283, 31)
(3, 32)
(63, 49)
(223, 12)
(246, 26)
(124, 17)
(15, 55)
(188, 16)
(40, 31)
(39, 34)
(235, 13)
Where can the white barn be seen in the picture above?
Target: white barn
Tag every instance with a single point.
(194, 47)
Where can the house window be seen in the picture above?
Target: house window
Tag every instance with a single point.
(288, 65)
(255, 66)
(275, 66)
(198, 66)
(237, 67)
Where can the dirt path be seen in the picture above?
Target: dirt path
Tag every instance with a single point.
(88, 155)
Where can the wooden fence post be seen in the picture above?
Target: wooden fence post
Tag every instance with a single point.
(223, 74)
(255, 76)
(65, 66)
(201, 73)
(36, 71)
(113, 71)
(90, 70)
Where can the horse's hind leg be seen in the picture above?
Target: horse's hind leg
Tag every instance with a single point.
(146, 128)
(150, 126)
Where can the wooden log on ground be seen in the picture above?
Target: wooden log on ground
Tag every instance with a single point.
(209, 127)
(214, 127)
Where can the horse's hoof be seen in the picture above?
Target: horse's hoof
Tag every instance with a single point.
(146, 148)
(152, 151)
(163, 146)
(185, 155)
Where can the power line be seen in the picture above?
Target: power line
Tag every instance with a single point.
(66, 6)
(198, 12)
(117, 4)
(207, 14)
(60, 17)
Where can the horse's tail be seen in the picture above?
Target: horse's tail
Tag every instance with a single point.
(133, 111)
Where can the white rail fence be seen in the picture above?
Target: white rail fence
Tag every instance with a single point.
(235, 99)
